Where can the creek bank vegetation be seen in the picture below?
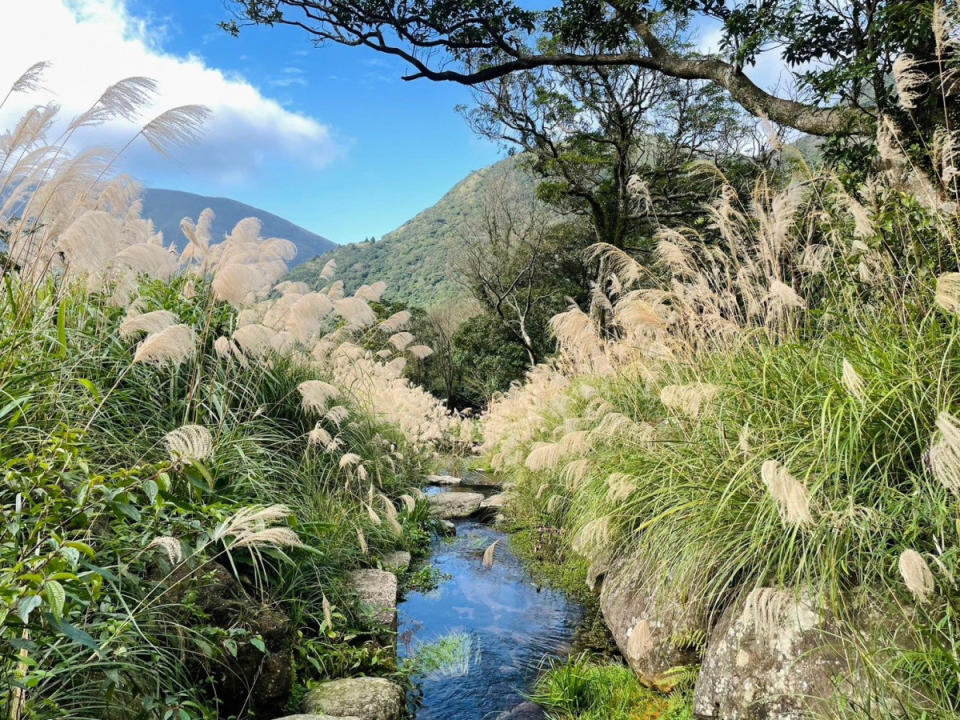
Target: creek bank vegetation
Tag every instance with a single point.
(196, 454)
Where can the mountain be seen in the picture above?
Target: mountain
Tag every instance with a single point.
(167, 207)
(414, 260)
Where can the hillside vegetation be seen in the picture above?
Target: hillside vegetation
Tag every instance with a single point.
(415, 259)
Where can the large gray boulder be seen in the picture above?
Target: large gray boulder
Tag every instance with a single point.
(654, 633)
(448, 505)
(364, 698)
(494, 502)
(774, 656)
(377, 590)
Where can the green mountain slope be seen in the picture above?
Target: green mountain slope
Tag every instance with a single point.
(167, 207)
(415, 259)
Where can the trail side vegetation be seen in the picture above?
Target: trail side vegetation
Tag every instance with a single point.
(194, 453)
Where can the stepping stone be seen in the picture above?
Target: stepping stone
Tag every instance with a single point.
(364, 698)
(494, 502)
(378, 595)
(442, 480)
(396, 562)
(450, 505)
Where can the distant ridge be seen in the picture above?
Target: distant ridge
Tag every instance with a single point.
(167, 207)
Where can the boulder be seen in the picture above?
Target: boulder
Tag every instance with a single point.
(377, 590)
(773, 656)
(365, 698)
(449, 505)
(494, 502)
(442, 480)
(473, 478)
(447, 528)
(396, 562)
(654, 634)
(524, 711)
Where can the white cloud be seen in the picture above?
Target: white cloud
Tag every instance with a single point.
(93, 43)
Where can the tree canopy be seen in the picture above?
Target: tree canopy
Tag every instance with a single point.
(841, 51)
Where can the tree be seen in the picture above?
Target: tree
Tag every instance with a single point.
(842, 51)
(613, 143)
(517, 263)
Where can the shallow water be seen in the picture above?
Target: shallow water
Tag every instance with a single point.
(511, 625)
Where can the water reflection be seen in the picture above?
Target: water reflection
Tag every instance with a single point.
(503, 622)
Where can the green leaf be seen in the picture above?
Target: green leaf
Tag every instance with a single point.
(91, 388)
(258, 643)
(56, 597)
(62, 329)
(150, 489)
(73, 633)
(231, 646)
(81, 546)
(27, 605)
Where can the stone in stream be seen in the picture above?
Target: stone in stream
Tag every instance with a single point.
(480, 479)
(770, 657)
(494, 502)
(442, 480)
(396, 562)
(378, 595)
(365, 698)
(447, 528)
(654, 634)
(448, 505)
(523, 711)
(314, 716)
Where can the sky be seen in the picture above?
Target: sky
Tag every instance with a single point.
(330, 138)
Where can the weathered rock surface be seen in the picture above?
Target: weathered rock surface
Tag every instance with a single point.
(396, 561)
(770, 658)
(442, 480)
(494, 502)
(364, 698)
(377, 590)
(314, 716)
(473, 478)
(447, 528)
(449, 505)
(654, 634)
(523, 711)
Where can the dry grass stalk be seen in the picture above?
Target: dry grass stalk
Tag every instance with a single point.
(853, 382)
(688, 399)
(948, 292)
(189, 442)
(170, 545)
(944, 454)
(791, 496)
(151, 322)
(488, 554)
(916, 575)
(172, 347)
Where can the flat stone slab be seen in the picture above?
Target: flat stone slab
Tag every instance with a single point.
(396, 561)
(363, 698)
(494, 502)
(378, 595)
(450, 505)
(442, 480)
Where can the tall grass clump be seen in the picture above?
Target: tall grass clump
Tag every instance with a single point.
(773, 402)
(194, 453)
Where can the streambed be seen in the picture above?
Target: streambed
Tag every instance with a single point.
(492, 626)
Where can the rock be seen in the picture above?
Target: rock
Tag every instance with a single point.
(448, 528)
(449, 505)
(769, 658)
(366, 698)
(524, 711)
(480, 479)
(254, 679)
(442, 480)
(396, 561)
(494, 502)
(313, 716)
(378, 595)
(654, 634)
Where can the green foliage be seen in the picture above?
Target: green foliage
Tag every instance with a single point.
(109, 548)
(583, 689)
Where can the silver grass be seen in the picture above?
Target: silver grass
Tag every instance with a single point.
(916, 575)
(337, 414)
(170, 545)
(948, 292)
(371, 293)
(318, 436)
(910, 81)
(688, 399)
(255, 340)
(489, 553)
(328, 270)
(362, 540)
(123, 99)
(852, 381)
(172, 346)
(420, 352)
(355, 311)
(944, 454)
(189, 442)
(396, 322)
(400, 340)
(29, 81)
(349, 460)
(151, 322)
(176, 127)
(791, 496)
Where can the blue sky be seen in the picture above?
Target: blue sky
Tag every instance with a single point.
(329, 138)
(400, 145)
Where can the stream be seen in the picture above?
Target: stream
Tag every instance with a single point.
(495, 625)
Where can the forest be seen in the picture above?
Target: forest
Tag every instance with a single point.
(698, 334)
